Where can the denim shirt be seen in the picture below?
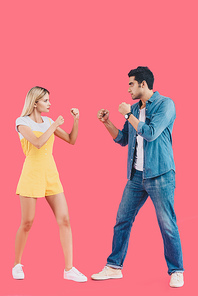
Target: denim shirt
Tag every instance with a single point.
(157, 133)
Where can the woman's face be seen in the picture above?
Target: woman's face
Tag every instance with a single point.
(43, 105)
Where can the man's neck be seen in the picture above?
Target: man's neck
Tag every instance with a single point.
(146, 97)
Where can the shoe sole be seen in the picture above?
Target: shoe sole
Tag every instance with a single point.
(107, 278)
(16, 278)
(78, 281)
(75, 280)
(179, 286)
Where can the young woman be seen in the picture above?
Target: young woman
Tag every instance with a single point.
(40, 177)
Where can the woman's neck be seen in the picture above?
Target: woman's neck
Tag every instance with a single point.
(36, 116)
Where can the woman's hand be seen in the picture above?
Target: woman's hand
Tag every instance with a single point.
(59, 121)
(75, 113)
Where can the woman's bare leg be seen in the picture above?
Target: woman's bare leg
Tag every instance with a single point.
(28, 206)
(59, 207)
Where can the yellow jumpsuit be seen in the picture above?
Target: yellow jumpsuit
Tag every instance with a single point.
(39, 175)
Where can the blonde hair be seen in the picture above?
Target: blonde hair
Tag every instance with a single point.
(33, 95)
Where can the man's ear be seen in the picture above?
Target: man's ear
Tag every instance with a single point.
(144, 84)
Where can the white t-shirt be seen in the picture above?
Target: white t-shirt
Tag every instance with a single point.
(139, 157)
(40, 127)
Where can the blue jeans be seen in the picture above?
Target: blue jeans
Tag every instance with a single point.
(161, 191)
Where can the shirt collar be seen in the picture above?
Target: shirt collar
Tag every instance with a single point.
(152, 98)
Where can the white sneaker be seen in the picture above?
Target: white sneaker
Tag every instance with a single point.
(177, 280)
(107, 273)
(74, 275)
(17, 272)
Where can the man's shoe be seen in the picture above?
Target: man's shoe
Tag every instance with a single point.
(108, 273)
(177, 280)
(17, 272)
(74, 275)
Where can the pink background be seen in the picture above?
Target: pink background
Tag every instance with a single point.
(82, 51)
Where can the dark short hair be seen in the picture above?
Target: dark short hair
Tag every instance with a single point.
(143, 74)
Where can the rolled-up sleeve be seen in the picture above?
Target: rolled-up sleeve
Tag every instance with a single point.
(122, 137)
(20, 121)
(159, 121)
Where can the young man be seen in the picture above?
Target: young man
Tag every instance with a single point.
(150, 172)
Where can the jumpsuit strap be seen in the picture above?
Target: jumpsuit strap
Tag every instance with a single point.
(49, 120)
(29, 125)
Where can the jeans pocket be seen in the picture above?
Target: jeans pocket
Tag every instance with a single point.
(170, 177)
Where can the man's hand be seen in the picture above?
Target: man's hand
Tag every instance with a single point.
(103, 115)
(75, 113)
(124, 108)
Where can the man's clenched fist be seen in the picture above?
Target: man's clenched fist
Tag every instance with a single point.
(124, 108)
(103, 115)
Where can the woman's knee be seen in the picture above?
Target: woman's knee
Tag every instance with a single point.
(63, 221)
(26, 225)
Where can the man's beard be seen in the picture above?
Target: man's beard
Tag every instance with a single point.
(137, 97)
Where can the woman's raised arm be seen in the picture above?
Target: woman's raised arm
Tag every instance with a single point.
(38, 142)
(69, 138)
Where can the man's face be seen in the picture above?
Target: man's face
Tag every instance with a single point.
(135, 89)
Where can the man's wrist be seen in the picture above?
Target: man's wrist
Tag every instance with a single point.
(127, 115)
(106, 122)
